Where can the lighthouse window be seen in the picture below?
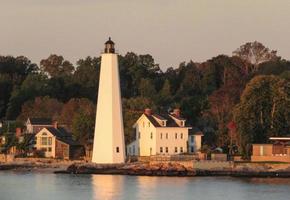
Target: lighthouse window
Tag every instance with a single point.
(117, 149)
(181, 135)
(166, 149)
(151, 135)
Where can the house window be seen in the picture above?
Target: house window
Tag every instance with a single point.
(175, 135)
(181, 136)
(175, 150)
(181, 149)
(161, 149)
(43, 140)
(160, 135)
(191, 149)
(151, 135)
(182, 123)
(166, 149)
(192, 139)
(117, 149)
(49, 149)
(261, 150)
(139, 135)
(148, 124)
(134, 149)
(44, 133)
(166, 135)
(50, 141)
(130, 150)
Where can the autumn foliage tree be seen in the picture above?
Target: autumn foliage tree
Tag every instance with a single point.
(41, 107)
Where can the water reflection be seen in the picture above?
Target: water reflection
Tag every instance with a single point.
(35, 186)
(107, 187)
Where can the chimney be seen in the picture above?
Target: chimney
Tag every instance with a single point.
(18, 132)
(176, 112)
(147, 111)
(55, 124)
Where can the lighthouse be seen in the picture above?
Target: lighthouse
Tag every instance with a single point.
(109, 145)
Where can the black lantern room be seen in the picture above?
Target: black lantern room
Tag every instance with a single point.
(109, 46)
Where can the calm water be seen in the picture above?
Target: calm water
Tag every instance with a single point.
(36, 186)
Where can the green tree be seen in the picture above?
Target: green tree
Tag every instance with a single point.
(264, 110)
(83, 127)
(87, 77)
(147, 88)
(33, 86)
(56, 65)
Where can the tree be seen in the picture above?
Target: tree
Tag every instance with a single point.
(5, 91)
(75, 107)
(87, 77)
(34, 85)
(83, 127)
(55, 66)
(255, 53)
(132, 110)
(273, 67)
(43, 107)
(16, 68)
(133, 68)
(13, 71)
(164, 96)
(147, 88)
(264, 110)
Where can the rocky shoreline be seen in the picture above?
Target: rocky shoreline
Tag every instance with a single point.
(167, 169)
(146, 169)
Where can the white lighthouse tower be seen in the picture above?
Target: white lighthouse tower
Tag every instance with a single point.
(109, 146)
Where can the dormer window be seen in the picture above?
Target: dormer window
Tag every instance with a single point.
(182, 123)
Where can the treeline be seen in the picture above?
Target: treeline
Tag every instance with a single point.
(235, 100)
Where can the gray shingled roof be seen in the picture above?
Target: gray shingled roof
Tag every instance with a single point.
(40, 121)
(62, 135)
(169, 121)
(195, 131)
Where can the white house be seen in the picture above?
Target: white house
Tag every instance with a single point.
(163, 135)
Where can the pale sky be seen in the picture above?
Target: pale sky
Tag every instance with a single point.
(171, 31)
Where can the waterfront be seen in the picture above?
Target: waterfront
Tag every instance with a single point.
(45, 186)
